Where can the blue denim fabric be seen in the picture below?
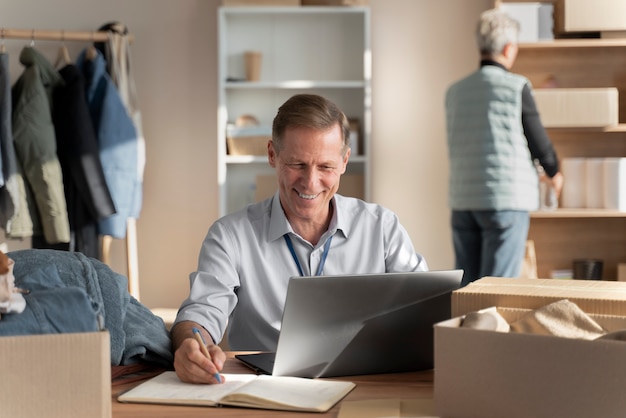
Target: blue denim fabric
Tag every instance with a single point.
(136, 333)
(51, 307)
(489, 243)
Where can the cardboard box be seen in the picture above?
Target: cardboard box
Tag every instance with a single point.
(590, 15)
(577, 107)
(56, 375)
(491, 374)
(535, 19)
(352, 185)
(621, 272)
(614, 193)
(247, 145)
(592, 296)
(247, 140)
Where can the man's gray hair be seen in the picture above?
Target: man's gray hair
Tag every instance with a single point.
(495, 29)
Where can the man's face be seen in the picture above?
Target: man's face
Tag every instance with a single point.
(308, 169)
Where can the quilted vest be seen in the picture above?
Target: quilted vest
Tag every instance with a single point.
(490, 163)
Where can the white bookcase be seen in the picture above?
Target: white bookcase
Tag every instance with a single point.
(307, 49)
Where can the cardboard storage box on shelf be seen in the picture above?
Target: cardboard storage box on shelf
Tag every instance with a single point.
(590, 15)
(594, 183)
(247, 140)
(577, 107)
(621, 272)
(488, 374)
(351, 185)
(56, 375)
(592, 296)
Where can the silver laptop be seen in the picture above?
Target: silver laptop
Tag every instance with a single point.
(348, 325)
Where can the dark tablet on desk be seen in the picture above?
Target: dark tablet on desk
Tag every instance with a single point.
(262, 363)
(359, 324)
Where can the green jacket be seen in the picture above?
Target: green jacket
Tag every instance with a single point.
(35, 147)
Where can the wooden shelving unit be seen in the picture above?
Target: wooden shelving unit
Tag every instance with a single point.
(566, 234)
(320, 50)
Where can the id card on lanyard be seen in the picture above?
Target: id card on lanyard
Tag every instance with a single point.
(320, 268)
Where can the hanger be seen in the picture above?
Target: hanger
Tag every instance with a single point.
(63, 56)
(32, 38)
(92, 52)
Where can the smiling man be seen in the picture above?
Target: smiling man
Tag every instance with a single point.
(305, 229)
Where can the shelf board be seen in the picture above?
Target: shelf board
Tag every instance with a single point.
(304, 10)
(296, 84)
(608, 129)
(578, 213)
(575, 43)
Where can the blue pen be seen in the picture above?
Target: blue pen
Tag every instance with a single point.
(198, 335)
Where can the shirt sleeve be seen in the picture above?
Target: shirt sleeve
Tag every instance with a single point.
(539, 143)
(212, 296)
(399, 249)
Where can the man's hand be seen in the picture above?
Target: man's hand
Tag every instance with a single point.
(190, 363)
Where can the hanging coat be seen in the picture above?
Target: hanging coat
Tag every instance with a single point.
(119, 148)
(12, 192)
(86, 192)
(35, 146)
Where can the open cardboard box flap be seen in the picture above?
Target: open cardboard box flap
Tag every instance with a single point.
(592, 296)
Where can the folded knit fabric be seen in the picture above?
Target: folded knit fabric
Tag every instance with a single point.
(562, 319)
(488, 319)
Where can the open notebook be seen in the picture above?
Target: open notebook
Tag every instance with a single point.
(359, 324)
(243, 390)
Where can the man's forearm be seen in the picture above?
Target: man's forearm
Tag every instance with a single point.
(183, 330)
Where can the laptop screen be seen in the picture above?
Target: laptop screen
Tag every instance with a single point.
(361, 324)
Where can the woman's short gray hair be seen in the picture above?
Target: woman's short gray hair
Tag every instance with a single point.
(495, 29)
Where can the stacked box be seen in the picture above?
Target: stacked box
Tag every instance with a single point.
(56, 375)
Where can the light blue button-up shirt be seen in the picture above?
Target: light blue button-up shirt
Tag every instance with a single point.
(245, 265)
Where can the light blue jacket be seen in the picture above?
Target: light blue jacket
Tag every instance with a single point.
(490, 164)
(119, 145)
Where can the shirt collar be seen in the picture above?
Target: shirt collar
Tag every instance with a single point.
(279, 225)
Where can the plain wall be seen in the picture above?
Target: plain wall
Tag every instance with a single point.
(418, 46)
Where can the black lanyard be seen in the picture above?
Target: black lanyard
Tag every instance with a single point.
(320, 268)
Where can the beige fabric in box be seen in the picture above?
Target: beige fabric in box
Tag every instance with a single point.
(578, 108)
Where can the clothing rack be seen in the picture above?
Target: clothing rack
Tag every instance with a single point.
(56, 35)
(88, 36)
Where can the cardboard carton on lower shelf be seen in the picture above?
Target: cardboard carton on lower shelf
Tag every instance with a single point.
(577, 107)
(56, 375)
(488, 374)
(592, 296)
